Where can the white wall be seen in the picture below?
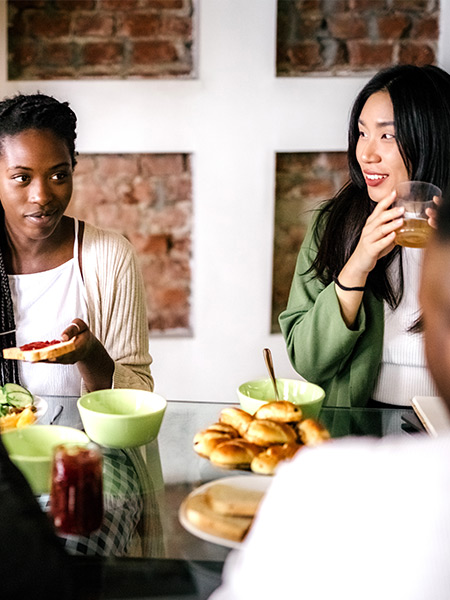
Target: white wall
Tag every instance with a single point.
(233, 118)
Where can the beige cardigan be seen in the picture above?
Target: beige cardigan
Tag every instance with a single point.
(116, 305)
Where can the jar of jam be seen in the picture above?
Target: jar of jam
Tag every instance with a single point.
(76, 496)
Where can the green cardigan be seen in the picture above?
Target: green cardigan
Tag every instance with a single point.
(321, 348)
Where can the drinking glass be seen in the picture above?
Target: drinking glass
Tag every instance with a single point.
(76, 496)
(416, 197)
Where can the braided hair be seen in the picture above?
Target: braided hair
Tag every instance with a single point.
(18, 114)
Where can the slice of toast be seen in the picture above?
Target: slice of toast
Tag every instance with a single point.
(39, 354)
(233, 501)
(199, 512)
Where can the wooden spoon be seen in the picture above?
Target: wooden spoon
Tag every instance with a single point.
(269, 363)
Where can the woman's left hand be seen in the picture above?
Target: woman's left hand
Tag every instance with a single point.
(432, 213)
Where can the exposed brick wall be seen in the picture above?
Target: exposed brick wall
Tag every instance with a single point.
(303, 180)
(345, 37)
(148, 198)
(79, 39)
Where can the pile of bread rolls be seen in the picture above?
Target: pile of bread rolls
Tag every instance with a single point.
(260, 442)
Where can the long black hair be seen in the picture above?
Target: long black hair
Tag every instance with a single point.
(17, 114)
(421, 101)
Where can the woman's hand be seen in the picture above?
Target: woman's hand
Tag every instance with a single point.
(377, 239)
(93, 361)
(432, 213)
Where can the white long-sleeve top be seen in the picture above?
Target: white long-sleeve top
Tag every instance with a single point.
(351, 519)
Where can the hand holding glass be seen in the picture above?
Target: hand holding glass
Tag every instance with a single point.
(416, 197)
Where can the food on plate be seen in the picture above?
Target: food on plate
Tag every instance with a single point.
(38, 351)
(253, 442)
(281, 411)
(237, 418)
(205, 441)
(199, 512)
(17, 407)
(266, 462)
(265, 433)
(312, 432)
(227, 499)
(234, 454)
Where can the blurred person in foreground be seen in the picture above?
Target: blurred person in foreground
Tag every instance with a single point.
(362, 518)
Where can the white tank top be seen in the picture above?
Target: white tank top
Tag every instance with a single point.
(44, 305)
(404, 373)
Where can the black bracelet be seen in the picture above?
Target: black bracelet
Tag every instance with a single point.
(347, 289)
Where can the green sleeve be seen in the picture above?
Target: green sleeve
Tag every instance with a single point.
(319, 343)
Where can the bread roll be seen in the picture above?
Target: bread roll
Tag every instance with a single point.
(266, 462)
(312, 433)
(227, 499)
(265, 433)
(280, 411)
(205, 441)
(234, 454)
(199, 513)
(224, 428)
(237, 418)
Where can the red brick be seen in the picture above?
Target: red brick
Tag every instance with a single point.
(425, 28)
(305, 55)
(411, 5)
(24, 4)
(166, 4)
(74, 5)
(309, 26)
(176, 26)
(153, 52)
(118, 5)
(58, 54)
(416, 53)
(96, 24)
(347, 26)
(25, 53)
(369, 54)
(373, 5)
(102, 53)
(140, 24)
(162, 164)
(392, 26)
(152, 244)
(42, 24)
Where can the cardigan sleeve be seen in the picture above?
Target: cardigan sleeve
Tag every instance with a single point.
(319, 343)
(117, 306)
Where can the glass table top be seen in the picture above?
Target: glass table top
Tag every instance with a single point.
(144, 488)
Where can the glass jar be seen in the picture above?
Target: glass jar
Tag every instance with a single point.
(76, 496)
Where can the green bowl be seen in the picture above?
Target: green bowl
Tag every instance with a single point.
(122, 418)
(308, 396)
(31, 450)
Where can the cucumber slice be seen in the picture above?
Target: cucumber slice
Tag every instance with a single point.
(15, 387)
(16, 395)
(19, 399)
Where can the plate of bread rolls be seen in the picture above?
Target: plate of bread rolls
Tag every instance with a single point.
(258, 442)
(222, 511)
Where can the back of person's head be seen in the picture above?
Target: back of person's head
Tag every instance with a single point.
(421, 101)
(38, 111)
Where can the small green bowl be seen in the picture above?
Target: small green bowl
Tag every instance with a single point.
(122, 418)
(31, 450)
(308, 396)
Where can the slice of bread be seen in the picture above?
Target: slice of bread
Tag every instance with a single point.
(233, 501)
(40, 354)
(199, 512)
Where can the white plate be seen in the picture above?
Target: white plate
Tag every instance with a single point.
(247, 482)
(41, 407)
